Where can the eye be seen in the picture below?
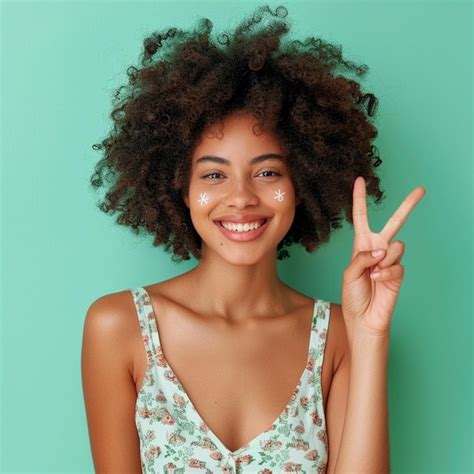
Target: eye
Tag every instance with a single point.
(275, 173)
(210, 174)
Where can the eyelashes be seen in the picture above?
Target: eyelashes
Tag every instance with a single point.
(216, 173)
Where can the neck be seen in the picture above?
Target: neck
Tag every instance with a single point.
(238, 292)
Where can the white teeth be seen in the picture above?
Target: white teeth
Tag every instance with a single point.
(242, 227)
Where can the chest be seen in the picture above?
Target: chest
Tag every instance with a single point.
(239, 378)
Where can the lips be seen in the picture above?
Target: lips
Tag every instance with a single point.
(241, 218)
(261, 222)
(243, 236)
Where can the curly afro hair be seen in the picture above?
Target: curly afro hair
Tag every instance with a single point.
(187, 83)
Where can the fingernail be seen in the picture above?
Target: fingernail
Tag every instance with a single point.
(375, 274)
(377, 253)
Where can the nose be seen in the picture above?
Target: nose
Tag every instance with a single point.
(241, 194)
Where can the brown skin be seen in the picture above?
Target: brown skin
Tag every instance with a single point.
(252, 288)
(249, 329)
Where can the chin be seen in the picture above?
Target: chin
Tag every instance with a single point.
(245, 255)
(243, 259)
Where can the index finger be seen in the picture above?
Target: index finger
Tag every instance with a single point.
(398, 218)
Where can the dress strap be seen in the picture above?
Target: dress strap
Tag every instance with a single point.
(146, 319)
(322, 314)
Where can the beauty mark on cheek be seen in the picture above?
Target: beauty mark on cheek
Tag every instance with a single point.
(278, 195)
(203, 199)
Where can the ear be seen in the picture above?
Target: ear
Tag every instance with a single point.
(299, 200)
(186, 200)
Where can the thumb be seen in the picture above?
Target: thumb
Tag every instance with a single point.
(363, 260)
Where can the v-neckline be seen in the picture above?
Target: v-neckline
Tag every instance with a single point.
(198, 417)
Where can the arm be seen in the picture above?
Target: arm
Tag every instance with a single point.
(364, 445)
(109, 390)
(368, 302)
(337, 397)
(362, 440)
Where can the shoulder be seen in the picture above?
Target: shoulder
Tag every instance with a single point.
(108, 323)
(106, 362)
(110, 312)
(337, 333)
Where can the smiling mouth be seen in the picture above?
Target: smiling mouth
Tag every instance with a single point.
(243, 236)
(262, 222)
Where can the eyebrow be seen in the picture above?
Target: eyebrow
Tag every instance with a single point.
(253, 161)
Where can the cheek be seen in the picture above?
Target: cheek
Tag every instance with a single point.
(280, 194)
(203, 199)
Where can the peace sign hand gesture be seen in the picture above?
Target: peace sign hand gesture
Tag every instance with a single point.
(368, 303)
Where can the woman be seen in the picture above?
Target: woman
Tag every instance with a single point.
(231, 154)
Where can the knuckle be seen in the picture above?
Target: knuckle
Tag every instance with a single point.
(398, 269)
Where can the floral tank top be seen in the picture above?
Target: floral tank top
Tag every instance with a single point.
(175, 439)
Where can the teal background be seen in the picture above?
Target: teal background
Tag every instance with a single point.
(60, 64)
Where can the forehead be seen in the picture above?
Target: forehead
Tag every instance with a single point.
(234, 140)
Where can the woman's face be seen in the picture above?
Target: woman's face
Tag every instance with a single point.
(229, 181)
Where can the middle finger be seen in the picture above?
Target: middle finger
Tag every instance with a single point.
(399, 217)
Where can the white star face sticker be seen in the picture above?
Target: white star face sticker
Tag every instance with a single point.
(278, 195)
(203, 199)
